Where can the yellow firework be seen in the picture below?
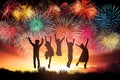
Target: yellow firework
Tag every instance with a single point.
(23, 12)
(109, 41)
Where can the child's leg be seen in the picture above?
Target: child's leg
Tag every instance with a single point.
(77, 63)
(38, 61)
(85, 65)
(49, 62)
(34, 62)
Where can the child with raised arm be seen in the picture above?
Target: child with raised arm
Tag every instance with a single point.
(36, 48)
(85, 54)
(49, 53)
(58, 44)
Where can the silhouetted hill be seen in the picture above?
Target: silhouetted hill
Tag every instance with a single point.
(42, 74)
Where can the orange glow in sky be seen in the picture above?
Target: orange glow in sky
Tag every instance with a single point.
(24, 61)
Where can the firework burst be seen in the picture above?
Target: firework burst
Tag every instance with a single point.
(53, 10)
(108, 17)
(9, 8)
(85, 31)
(65, 26)
(23, 13)
(108, 41)
(84, 9)
(65, 9)
(8, 32)
(23, 44)
(39, 23)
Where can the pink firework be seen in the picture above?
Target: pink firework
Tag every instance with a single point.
(87, 31)
(8, 32)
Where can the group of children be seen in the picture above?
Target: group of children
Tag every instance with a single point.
(50, 52)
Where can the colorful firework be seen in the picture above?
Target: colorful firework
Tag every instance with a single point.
(9, 8)
(108, 41)
(23, 13)
(87, 32)
(65, 9)
(53, 10)
(65, 26)
(76, 7)
(108, 17)
(23, 44)
(8, 32)
(39, 23)
(84, 9)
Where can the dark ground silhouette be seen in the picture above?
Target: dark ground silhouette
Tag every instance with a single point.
(42, 74)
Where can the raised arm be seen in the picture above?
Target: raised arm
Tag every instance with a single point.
(45, 38)
(41, 41)
(50, 39)
(55, 37)
(86, 42)
(62, 39)
(73, 41)
(30, 41)
(77, 45)
(66, 40)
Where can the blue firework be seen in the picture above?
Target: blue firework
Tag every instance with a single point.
(107, 17)
(38, 23)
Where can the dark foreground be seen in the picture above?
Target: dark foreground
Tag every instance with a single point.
(42, 74)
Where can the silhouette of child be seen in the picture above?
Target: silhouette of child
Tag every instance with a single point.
(70, 51)
(85, 54)
(49, 53)
(36, 47)
(58, 43)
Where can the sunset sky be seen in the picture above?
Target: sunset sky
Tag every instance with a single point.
(17, 53)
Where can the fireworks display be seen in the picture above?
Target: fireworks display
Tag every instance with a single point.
(23, 13)
(67, 20)
(84, 9)
(108, 41)
(66, 25)
(39, 22)
(108, 17)
(9, 8)
(8, 32)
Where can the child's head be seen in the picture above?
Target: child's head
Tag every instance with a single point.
(82, 46)
(70, 43)
(36, 41)
(47, 43)
(58, 40)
